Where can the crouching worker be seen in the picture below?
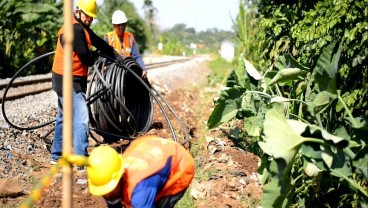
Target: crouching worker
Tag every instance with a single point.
(152, 172)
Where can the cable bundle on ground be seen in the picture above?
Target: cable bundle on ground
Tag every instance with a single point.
(124, 106)
(120, 103)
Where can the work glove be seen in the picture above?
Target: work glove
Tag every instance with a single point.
(95, 55)
(119, 58)
(120, 61)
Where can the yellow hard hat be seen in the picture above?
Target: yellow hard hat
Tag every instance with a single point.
(88, 6)
(104, 170)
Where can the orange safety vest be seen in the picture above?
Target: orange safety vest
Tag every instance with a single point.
(148, 155)
(114, 41)
(79, 69)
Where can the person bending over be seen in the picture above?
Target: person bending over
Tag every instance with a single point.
(152, 172)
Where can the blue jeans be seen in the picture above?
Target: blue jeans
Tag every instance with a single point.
(80, 127)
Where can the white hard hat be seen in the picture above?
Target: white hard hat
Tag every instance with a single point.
(119, 17)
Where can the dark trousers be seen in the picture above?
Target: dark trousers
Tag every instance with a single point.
(164, 202)
(169, 201)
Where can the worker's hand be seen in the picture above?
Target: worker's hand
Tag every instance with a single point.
(95, 55)
(144, 74)
(120, 60)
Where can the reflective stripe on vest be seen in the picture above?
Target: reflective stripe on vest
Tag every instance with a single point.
(114, 41)
(148, 155)
(79, 69)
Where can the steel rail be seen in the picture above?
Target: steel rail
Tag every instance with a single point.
(22, 83)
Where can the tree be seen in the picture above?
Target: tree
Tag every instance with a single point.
(150, 15)
(304, 28)
(135, 24)
(28, 29)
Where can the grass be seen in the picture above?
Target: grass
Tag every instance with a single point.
(186, 201)
(220, 71)
(205, 175)
(251, 203)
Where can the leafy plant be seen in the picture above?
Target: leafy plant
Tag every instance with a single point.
(310, 153)
(304, 105)
(28, 29)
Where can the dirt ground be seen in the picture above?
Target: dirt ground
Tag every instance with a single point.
(225, 174)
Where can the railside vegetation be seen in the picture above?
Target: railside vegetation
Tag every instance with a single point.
(300, 90)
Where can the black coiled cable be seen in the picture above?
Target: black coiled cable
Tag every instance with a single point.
(137, 107)
(127, 108)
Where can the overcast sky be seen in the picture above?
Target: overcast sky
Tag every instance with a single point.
(199, 14)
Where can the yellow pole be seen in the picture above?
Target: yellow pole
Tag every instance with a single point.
(68, 103)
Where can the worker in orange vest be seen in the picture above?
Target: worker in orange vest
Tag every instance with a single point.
(82, 58)
(122, 41)
(152, 172)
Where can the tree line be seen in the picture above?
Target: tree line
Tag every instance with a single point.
(29, 29)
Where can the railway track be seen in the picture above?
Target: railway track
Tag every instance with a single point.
(23, 88)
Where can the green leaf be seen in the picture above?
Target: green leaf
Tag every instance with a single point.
(313, 131)
(287, 61)
(288, 74)
(223, 112)
(253, 125)
(311, 151)
(321, 102)
(352, 183)
(226, 106)
(340, 162)
(361, 160)
(359, 123)
(324, 74)
(318, 132)
(281, 141)
(275, 195)
(35, 8)
(243, 78)
(230, 110)
(341, 132)
(232, 80)
(252, 71)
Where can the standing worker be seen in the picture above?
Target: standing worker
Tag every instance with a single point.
(122, 41)
(152, 172)
(82, 58)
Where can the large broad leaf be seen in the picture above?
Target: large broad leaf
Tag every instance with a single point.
(335, 159)
(361, 160)
(239, 77)
(277, 195)
(360, 127)
(226, 106)
(352, 183)
(223, 112)
(324, 74)
(278, 190)
(287, 61)
(318, 132)
(231, 93)
(280, 139)
(321, 102)
(232, 80)
(310, 151)
(313, 131)
(253, 125)
(252, 71)
(288, 74)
